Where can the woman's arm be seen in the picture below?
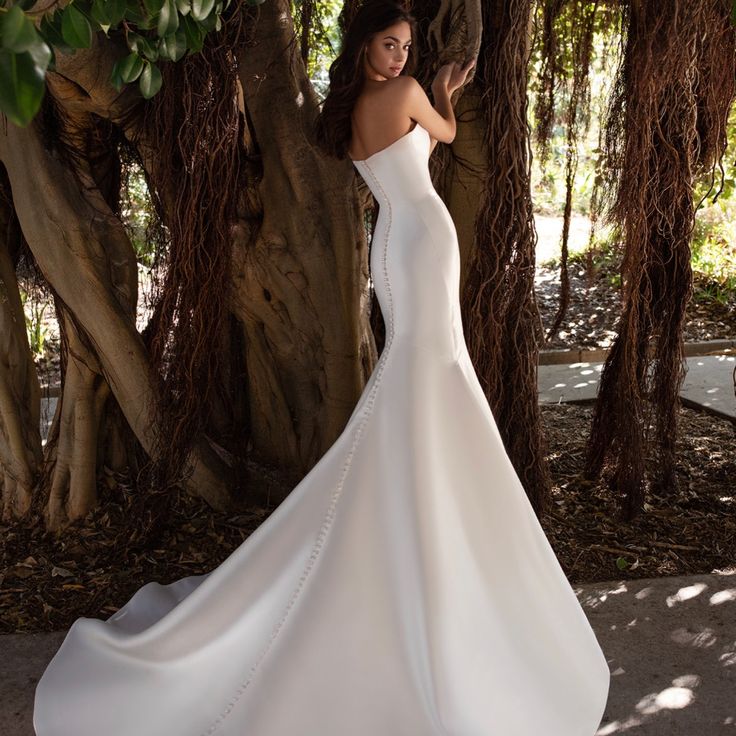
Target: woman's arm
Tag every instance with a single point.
(438, 119)
(443, 105)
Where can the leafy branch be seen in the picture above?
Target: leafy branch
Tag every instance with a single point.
(154, 31)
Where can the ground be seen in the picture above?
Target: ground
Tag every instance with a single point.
(595, 295)
(94, 569)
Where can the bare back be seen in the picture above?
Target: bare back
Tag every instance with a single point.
(380, 117)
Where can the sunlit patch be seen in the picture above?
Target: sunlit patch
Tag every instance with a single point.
(723, 596)
(677, 697)
(698, 639)
(728, 659)
(685, 594)
(672, 698)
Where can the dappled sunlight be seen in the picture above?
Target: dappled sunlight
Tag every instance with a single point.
(670, 647)
(708, 382)
(684, 594)
(679, 696)
(723, 596)
(699, 639)
(569, 381)
(596, 598)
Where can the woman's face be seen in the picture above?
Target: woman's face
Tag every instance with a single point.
(386, 53)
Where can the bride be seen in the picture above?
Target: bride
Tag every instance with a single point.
(405, 586)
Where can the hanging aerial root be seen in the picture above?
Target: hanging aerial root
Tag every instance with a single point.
(666, 124)
(193, 126)
(502, 323)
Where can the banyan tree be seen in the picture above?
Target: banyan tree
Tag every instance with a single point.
(262, 327)
(665, 126)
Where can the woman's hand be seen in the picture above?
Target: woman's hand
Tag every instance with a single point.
(452, 76)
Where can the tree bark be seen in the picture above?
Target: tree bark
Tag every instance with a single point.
(301, 271)
(74, 238)
(20, 396)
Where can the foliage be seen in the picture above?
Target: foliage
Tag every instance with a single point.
(34, 314)
(318, 22)
(136, 212)
(549, 163)
(714, 237)
(154, 31)
(714, 251)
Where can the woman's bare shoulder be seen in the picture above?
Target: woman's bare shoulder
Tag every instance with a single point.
(405, 83)
(400, 85)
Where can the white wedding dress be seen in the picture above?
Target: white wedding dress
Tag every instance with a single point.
(404, 587)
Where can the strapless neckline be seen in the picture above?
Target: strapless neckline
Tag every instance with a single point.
(389, 146)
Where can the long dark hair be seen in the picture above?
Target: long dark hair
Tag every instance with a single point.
(332, 128)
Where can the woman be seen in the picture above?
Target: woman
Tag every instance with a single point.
(405, 586)
(373, 99)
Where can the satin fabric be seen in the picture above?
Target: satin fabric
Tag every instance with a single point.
(404, 587)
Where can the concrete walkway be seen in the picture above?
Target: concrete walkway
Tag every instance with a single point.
(709, 383)
(670, 645)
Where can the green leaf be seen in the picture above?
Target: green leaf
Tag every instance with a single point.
(193, 32)
(150, 81)
(17, 33)
(202, 8)
(210, 22)
(173, 47)
(99, 13)
(75, 28)
(115, 10)
(85, 8)
(51, 31)
(168, 19)
(136, 13)
(184, 6)
(142, 46)
(154, 6)
(131, 67)
(21, 86)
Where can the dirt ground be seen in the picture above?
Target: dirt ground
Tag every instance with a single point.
(595, 305)
(96, 568)
(46, 583)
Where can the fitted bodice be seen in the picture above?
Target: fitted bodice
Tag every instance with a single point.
(414, 256)
(399, 172)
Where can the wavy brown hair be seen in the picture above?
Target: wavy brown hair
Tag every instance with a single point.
(332, 128)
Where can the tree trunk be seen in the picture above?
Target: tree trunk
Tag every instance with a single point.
(74, 238)
(300, 277)
(20, 396)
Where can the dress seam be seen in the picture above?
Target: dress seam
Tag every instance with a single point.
(330, 515)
